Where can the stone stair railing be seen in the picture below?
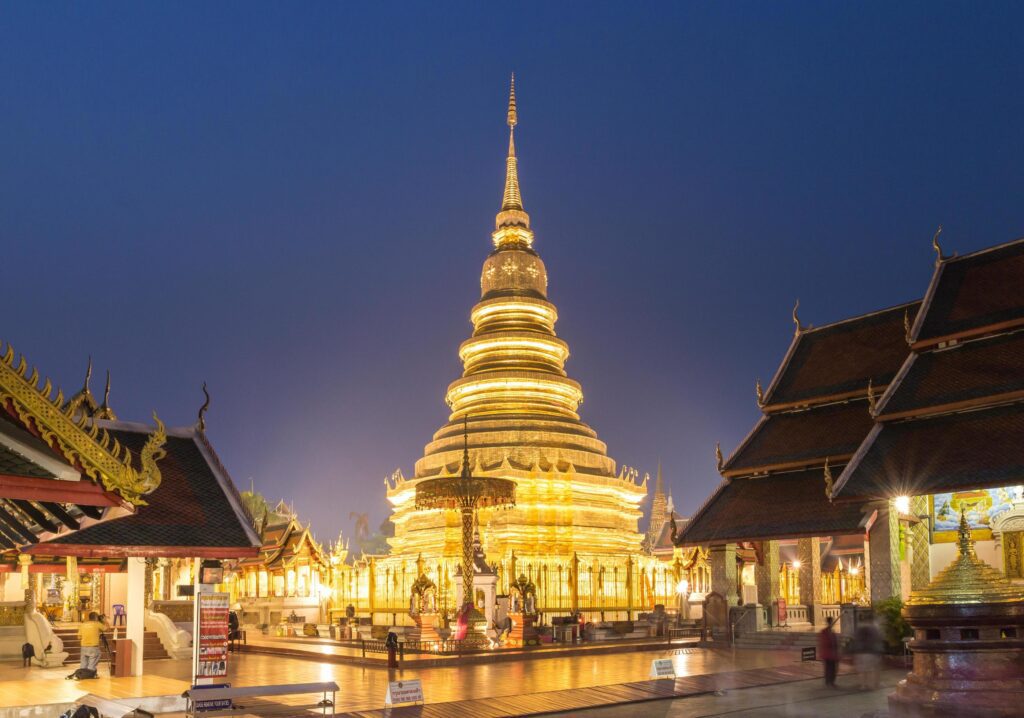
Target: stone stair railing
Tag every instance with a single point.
(48, 647)
(177, 642)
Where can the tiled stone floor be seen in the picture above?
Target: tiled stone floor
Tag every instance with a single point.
(363, 687)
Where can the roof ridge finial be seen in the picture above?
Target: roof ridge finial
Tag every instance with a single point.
(937, 247)
(88, 375)
(201, 423)
(796, 319)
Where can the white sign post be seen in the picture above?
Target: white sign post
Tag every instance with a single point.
(410, 691)
(662, 668)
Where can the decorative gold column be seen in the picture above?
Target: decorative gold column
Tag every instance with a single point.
(809, 551)
(371, 588)
(723, 572)
(766, 575)
(920, 561)
(70, 587)
(574, 588)
(24, 561)
(884, 550)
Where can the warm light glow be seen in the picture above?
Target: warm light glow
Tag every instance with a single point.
(902, 504)
(683, 587)
(855, 570)
(796, 565)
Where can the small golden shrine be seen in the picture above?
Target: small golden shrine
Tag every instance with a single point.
(968, 642)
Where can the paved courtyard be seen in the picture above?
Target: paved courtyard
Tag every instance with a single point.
(801, 699)
(363, 687)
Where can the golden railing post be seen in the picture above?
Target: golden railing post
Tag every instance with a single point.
(371, 586)
(629, 588)
(574, 589)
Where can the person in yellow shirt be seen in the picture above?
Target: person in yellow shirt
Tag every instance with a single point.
(89, 635)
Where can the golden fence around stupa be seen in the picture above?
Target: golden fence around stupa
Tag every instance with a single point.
(599, 587)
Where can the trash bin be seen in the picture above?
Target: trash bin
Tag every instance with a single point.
(122, 663)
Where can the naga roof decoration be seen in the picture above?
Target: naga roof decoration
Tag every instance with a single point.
(76, 436)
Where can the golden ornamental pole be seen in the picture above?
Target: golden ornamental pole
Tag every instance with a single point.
(467, 556)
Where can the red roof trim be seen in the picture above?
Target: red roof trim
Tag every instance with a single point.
(89, 551)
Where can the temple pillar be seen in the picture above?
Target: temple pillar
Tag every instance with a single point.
(723, 572)
(135, 630)
(766, 576)
(24, 561)
(809, 553)
(884, 551)
(920, 562)
(70, 594)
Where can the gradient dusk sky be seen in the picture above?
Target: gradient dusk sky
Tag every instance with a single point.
(292, 202)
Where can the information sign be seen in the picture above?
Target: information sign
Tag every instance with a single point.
(808, 654)
(410, 691)
(212, 659)
(662, 668)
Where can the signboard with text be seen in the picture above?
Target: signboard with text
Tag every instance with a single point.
(662, 668)
(410, 691)
(212, 635)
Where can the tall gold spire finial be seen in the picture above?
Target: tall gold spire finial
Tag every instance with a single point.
(512, 200)
(512, 117)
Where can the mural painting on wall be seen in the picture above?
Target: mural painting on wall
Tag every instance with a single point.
(980, 506)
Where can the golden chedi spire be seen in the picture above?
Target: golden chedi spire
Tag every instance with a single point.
(517, 410)
(512, 224)
(967, 580)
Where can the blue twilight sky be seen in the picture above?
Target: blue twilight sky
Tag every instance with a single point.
(292, 202)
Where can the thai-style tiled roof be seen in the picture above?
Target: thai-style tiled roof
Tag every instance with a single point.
(951, 452)
(794, 439)
(195, 508)
(14, 464)
(663, 543)
(967, 372)
(782, 505)
(839, 359)
(973, 293)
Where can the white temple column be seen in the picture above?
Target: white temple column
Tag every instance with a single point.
(136, 624)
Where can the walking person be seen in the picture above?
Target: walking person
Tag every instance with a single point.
(868, 647)
(391, 643)
(828, 652)
(89, 635)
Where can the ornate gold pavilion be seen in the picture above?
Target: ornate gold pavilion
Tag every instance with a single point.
(574, 528)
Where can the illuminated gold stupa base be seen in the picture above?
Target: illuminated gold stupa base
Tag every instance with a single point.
(968, 643)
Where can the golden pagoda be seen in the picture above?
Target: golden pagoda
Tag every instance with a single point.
(522, 421)
(573, 531)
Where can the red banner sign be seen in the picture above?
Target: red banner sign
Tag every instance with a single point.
(212, 635)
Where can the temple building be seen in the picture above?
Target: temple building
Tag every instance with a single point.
(288, 583)
(574, 529)
(100, 514)
(877, 433)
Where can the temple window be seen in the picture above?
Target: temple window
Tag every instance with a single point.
(278, 585)
(263, 589)
(290, 582)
